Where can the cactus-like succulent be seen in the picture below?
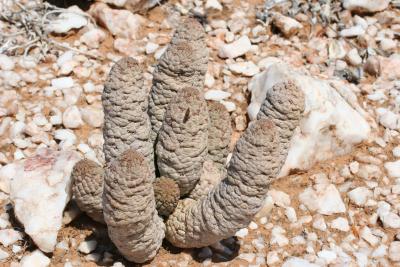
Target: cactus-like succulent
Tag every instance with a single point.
(198, 201)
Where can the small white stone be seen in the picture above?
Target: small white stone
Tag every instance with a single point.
(214, 4)
(354, 167)
(72, 118)
(352, 31)
(353, 57)
(298, 262)
(230, 106)
(278, 236)
(319, 223)
(3, 255)
(209, 80)
(280, 198)
(328, 256)
(65, 57)
(325, 199)
(66, 21)
(387, 44)
(366, 5)
(388, 118)
(242, 233)
(93, 116)
(291, 214)
(87, 246)
(36, 259)
(63, 245)
(9, 237)
(151, 48)
(272, 258)
(6, 63)
(341, 224)
(253, 226)
(93, 38)
(235, 49)
(247, 68)
(360, 195)
(394, 251)
(216, 95)
(287, 25)
(367, 235)
(62, 83)
(65, 135)
(396, 151)
(380, 251)
(393, 168)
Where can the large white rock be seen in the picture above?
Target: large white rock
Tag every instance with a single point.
(40, 187)
(333, 120)
(366, 5)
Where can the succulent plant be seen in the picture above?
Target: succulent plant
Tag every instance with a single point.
(175, 134)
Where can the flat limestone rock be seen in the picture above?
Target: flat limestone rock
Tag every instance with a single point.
(40, 188)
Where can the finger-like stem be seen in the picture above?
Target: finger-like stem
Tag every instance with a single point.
(126, 122)
(232, 204)
(183, 64)
(130, 209)
(182, 143)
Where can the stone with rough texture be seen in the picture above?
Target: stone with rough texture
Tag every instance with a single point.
(39, 191)
(36, 259)
(394, 251)
(333, 120)
(236, 49)
(287, 25)
(325, 199)
(93, 38)
(121, 23)
(67, 21)
(366, 5)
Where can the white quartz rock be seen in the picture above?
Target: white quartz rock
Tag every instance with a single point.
(93, 116)
(6, 62)
(39, 192)
(36, 259)
(393, 168)
(394, 251)
(247, 68)
(333, 120)
(360, 195)
(366, 5)
(120, 22)
(72, 118)
(93, 38)
(325, 199)
(388, 218)
(235, 49)
(298, 262)
(216, 95)
(340, 224)
(287, 25)
(62, 83)
(67, 21)
(9, 237)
